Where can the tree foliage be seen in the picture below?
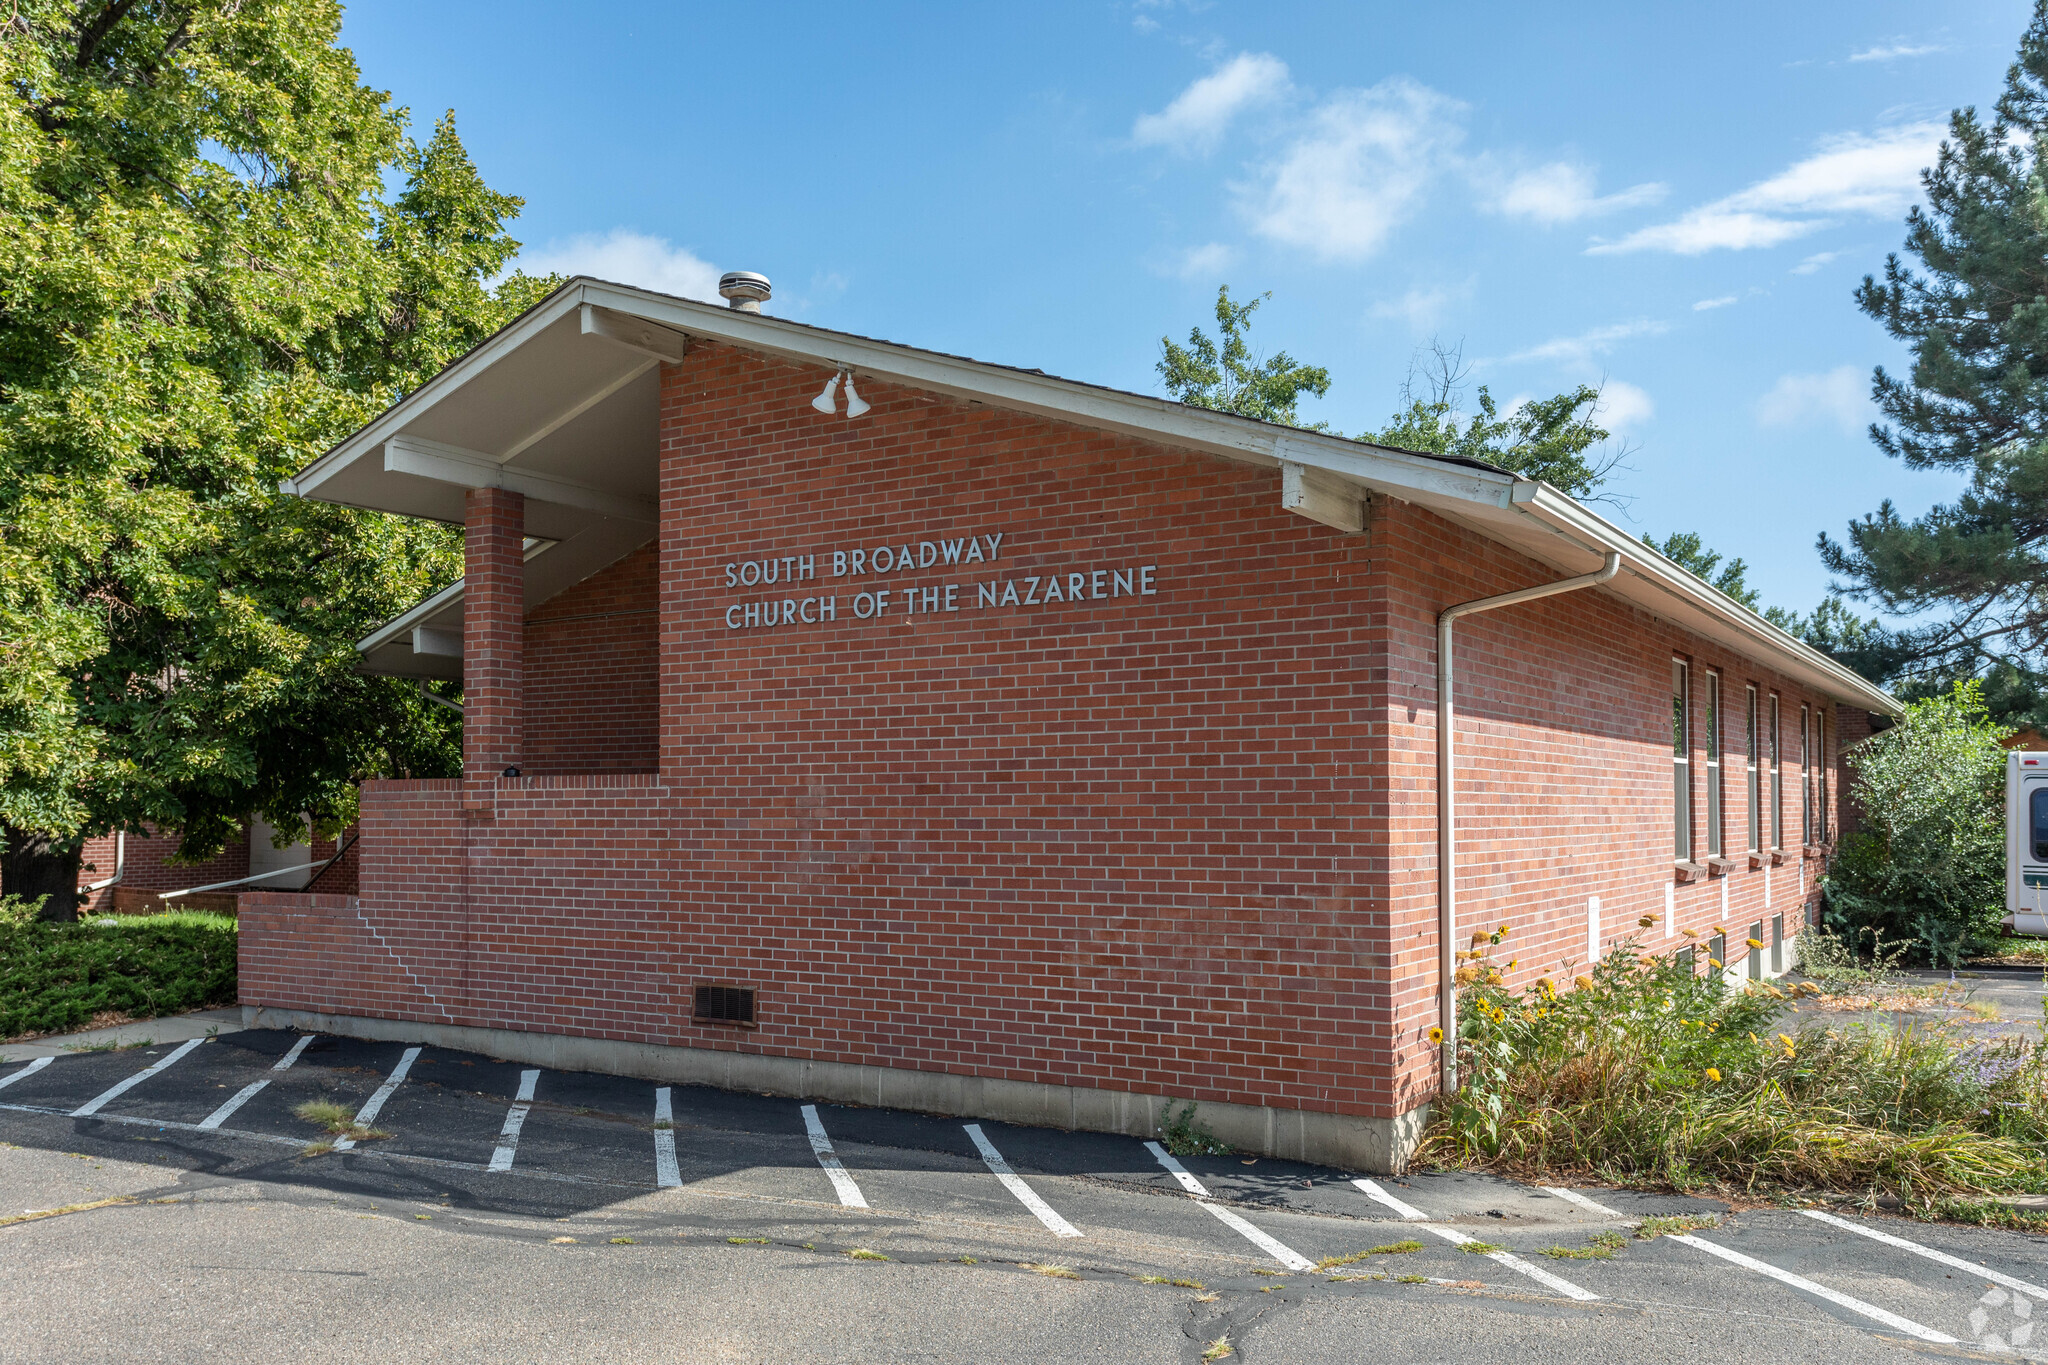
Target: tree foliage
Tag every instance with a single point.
(1831, 627)
(1558, 440)
(1928, 862)
(1971, 576)
(1221, 373)
(203, 284)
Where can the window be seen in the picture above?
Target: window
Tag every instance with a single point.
(1777, 782)
(1820, 772)
(1713, 764)
(1756, 814)
(1681, 760)
(2037, 816)
(1805, 774)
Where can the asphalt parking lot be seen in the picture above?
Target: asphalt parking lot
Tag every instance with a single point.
(887, 1235)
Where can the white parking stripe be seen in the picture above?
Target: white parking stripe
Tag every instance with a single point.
(1516, 1264)
(1272, 1246)
(1581, 1200)
(849, 1193)
(515, 1119)
(1854, 1305)
(367, 1115)
(242, 1097)
(93, 1105)
(284, 1063)
(1014, 1183)
(665, 1173)
(1954, 1262)
(1180, 1172)
(31, 1069)
(1408, 1211)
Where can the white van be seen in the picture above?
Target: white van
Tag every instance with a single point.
(2026, 842)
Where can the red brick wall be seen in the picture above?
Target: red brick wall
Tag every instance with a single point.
(149, 869)
(493, 639)
(591, 686)
(1178, 842)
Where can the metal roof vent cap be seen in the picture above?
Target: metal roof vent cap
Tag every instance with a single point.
(744, 290)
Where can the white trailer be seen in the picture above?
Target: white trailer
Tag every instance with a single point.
(2026, 843)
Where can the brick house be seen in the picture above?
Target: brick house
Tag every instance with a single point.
(1006, 746)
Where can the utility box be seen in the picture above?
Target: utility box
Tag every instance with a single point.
(2026, 843)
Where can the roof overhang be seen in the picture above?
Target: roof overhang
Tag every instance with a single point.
(562, 405)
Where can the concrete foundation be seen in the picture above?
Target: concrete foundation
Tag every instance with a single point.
(1351, 1142)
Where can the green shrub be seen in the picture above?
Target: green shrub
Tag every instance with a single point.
(56, 977)
(1929, 862)
(1641, 1071)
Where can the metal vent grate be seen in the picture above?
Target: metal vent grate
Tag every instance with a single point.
(724, 1005)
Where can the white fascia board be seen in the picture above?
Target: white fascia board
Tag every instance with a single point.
(449, 381)
(474, 469)
(401, 626)
(1600, 535)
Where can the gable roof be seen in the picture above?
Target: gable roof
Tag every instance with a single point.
(561, 404)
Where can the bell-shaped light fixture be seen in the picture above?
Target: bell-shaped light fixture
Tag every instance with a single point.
(828, 401)
(855, 404)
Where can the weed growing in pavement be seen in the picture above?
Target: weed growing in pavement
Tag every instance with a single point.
(1477, 1248)
(964, 1260)
(748, 1241)
(1209, 1297)
(1642, 1071)
(1650, 1229)
(111, 1045)
(624, 1242)
(1219, 1349)
(1390, 1249)
(663, 1125)
(561, 1241)
(863, 1254)
(1177, 1284)
(337, 1120)
(1057, 1272)
(1601, 1246)
(1183, 1136)
(1411, 1279)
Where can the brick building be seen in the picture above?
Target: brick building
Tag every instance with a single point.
(1000, 745)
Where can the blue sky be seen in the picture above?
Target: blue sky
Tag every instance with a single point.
(1675, 201)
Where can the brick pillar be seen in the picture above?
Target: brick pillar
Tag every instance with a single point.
(493, 632)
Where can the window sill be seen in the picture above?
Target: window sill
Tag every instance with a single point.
(1685, 871)
(1777, 857)
(1756, 860)
(1720, 867)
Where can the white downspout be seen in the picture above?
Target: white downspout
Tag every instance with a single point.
(120, 866)
(1446, 806)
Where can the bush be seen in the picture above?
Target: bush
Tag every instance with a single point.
(1929, 862)
(1643, 1072)
(57, 977)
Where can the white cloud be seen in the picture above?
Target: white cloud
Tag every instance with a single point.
(1815, 262)
(1198, 262)
(1877, 175)
(1704, 304)
(1358, 169)
(1200, 113)
(624, 256)
(1579, 350)
(1840, 397)
(1560, 192)
(1624, 407)
(1420, 309)
(1892, 52)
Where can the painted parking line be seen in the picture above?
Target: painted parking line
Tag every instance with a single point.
(120, 1088)
(1573, 1196)
(226, 1111)
(1800, 1282)
(250, 1091)
(367, 1115)
(1014, 1183)
(1373, 1191)
(31, 1069)
(1272, 1246)
(1953, 1262)
(284, 1063)
(515, 1119)
(665, 1173)
(1516, 1264)
(849, 1193)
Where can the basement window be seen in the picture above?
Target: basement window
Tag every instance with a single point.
(732, 1005)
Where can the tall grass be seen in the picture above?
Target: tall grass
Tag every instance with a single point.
(1642, 1071)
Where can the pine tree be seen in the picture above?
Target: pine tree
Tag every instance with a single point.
(202, 286)
(1971, 576)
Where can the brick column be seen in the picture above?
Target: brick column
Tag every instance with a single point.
(493, 632)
